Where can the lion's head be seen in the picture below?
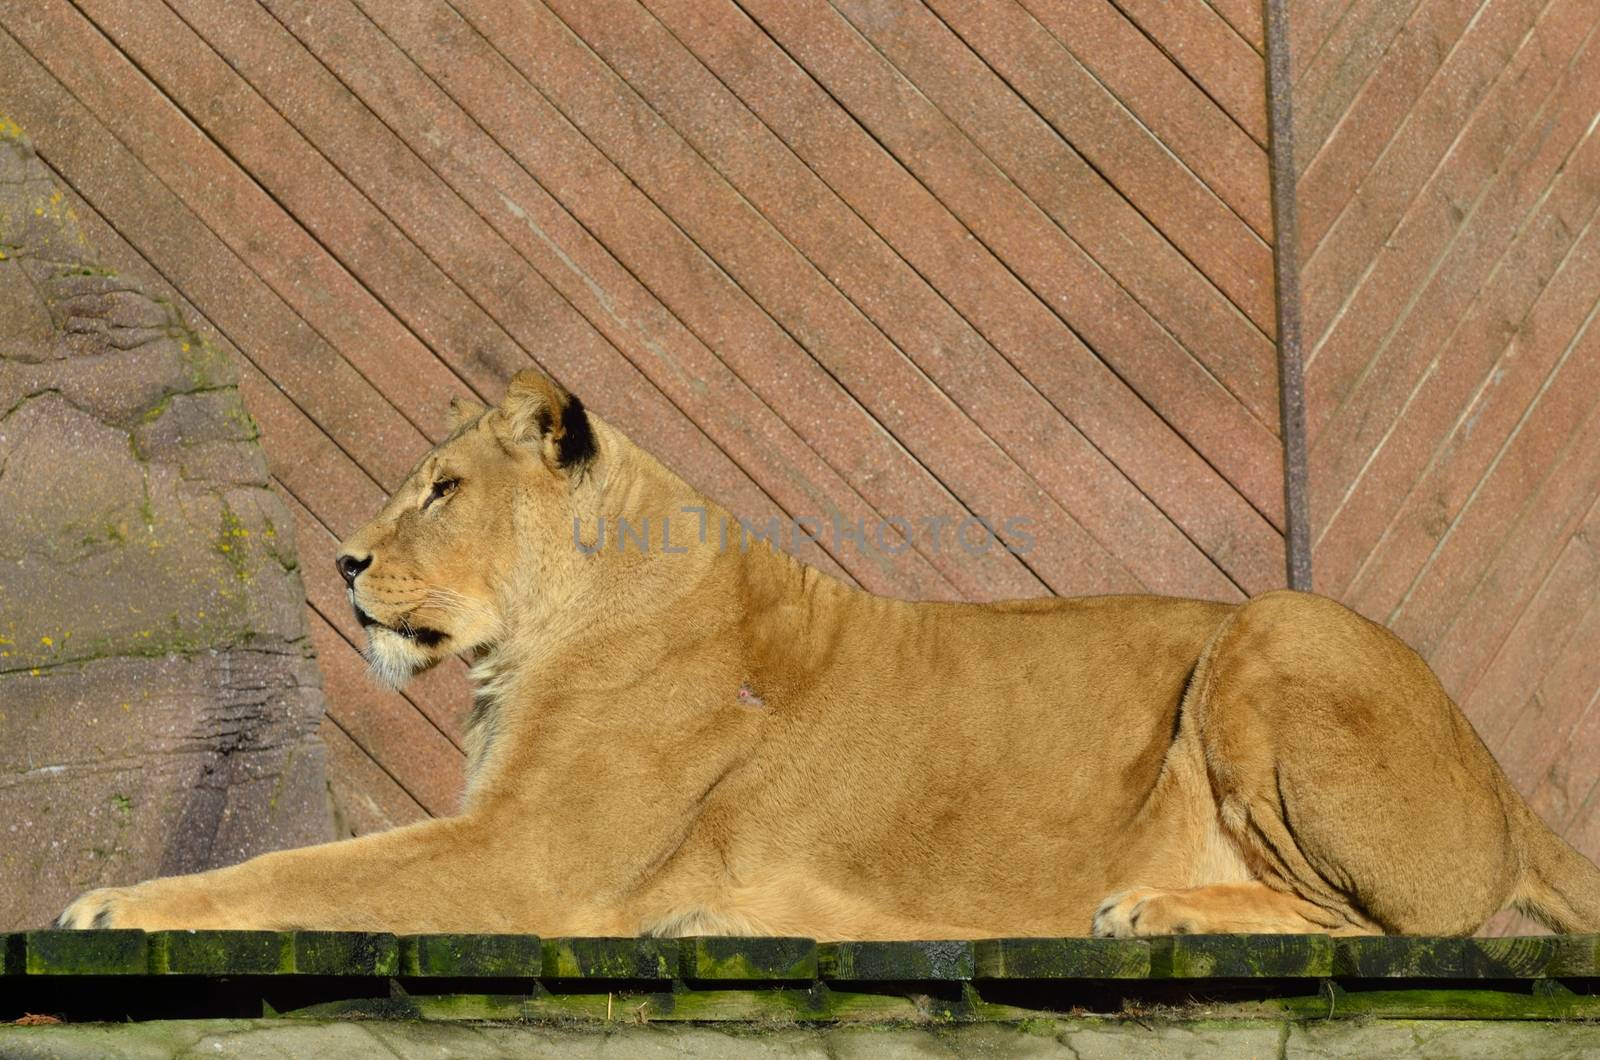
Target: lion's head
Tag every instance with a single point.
(441, 567)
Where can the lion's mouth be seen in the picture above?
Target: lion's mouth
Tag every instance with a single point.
(424, 636)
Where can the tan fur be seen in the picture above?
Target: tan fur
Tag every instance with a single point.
(722, 740)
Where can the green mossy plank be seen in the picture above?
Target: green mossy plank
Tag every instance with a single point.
(221, 952)
(1037, 958)
(1416, 1004)
(818, 1004)
(714, 958)
(1398, 956)
(610, 958)
(13, 950)
(107, 951)
(394, 1005)
(590, 1007)
(446, 1007)
(346, 953)
(896, 961)
(1241, 957)
(780, 1005)
(1577, 956)
(472, 956)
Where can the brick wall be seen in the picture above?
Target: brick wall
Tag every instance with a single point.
(1448, 174)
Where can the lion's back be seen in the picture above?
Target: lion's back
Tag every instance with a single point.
(995, 718)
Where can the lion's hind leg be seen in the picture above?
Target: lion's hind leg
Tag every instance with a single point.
(1252, 908)
(1347, 779)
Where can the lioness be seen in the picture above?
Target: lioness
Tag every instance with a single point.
(701, 738)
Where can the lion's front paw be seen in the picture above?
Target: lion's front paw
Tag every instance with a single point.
(102, 908)
(1139, 912)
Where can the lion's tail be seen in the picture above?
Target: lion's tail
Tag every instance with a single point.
(1560, 887)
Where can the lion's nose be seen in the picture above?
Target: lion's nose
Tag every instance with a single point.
(350, 566)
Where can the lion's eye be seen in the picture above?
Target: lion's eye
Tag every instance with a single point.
(440, 488)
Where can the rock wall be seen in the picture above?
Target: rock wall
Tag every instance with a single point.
(158, 697)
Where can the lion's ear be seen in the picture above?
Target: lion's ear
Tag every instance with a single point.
(538, 412)
(462, 410)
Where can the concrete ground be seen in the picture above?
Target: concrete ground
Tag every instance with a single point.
(1081, 1039)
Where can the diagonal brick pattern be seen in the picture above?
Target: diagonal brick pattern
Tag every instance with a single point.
(1448, 174)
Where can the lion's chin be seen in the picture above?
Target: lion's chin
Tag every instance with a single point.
(395, 658)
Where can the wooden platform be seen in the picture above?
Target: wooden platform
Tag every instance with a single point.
(895, 258)
(129, 975)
